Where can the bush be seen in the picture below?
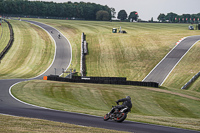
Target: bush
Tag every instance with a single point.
(102, 15)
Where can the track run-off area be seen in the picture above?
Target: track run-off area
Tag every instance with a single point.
(11, 106)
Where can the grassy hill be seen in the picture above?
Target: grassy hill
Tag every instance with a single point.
(132, 55)
(31, 53)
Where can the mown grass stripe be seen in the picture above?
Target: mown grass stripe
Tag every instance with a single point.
(31, 54)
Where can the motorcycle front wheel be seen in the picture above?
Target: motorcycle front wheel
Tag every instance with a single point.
(106, 117)
(121, 117)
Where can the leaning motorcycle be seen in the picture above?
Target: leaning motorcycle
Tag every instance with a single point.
(117, 115)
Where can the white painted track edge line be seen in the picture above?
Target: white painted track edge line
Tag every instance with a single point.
(178, 62)
(163, 59)
(54, 51)
(43, 73)
(55, 43)
(10, 92)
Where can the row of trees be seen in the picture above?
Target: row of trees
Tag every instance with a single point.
(80, 10)
(170, 17)
(175, 18)
(122, 15)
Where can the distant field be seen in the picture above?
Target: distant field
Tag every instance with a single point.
(151, 105)
(31, 53)
(131, 55)
(4, 35)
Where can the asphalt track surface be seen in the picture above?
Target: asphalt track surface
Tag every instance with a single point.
(11, 106)
(162, 70)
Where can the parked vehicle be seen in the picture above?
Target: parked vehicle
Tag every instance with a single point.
(191, 27)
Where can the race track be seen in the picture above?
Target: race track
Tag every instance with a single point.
(11, 106)
(168, 63)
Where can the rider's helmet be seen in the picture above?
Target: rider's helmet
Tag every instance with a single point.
(128, 97)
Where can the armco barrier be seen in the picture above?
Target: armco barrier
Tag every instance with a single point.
(103, 80)
(82, 62)
(191, 81)
(84, 52)
(5, 50)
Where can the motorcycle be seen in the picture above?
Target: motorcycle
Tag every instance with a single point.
(119, 115)
(59, 36)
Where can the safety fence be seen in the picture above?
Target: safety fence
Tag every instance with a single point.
(5, 50)
(102, 80)
(84, 52)
(191, 81)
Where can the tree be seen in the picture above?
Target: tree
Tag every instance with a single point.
(112, 12)
(171, 16)
(161, 17)
(102, 15)
(151, 19)
(1, 6)
(122, 15)
(133, 15)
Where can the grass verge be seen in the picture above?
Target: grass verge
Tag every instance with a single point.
(157, 106)
(10, 124)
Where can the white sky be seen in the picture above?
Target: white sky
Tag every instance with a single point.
(147, 8)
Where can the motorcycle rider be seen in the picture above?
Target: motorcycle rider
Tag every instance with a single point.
(126, 103)
(59, 35)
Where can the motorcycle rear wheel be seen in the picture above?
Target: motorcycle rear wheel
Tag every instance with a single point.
(121, 117)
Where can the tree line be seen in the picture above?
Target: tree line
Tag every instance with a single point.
(170, 17)
(81, 10)
(175, 18)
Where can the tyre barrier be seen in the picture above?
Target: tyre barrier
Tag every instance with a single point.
(101, 80)
(5, 50)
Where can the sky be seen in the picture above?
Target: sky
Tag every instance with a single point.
(147, 8)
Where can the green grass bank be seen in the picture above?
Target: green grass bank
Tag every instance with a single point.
(158, 106)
